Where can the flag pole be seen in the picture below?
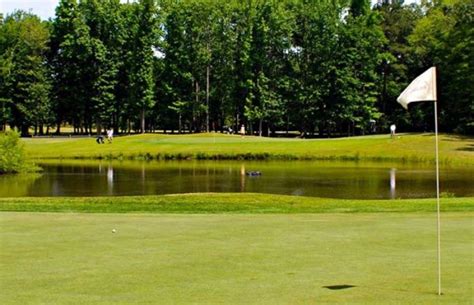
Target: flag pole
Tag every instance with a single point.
(437, 197)
(437, 178)
(423, 88)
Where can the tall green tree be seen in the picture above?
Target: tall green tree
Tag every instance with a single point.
(70, 49)
(6, 65)
(355, 90)
(26, 85)
(105, 25)
(444, 38)
(314, 44)
(398, 60)
(325, 68)
(272, 35)
(141, 74)
(242, 65)
(177, 82)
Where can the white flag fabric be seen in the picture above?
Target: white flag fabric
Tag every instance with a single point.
(423, 88)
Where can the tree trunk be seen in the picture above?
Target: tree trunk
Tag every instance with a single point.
(207, 98)
(260, 123)
(99, 127)
(194, 127)
(179, 123)
(58, 127)
(237, 122)
(142, 120)
(3, 123)
(115, 123)
(24, 131)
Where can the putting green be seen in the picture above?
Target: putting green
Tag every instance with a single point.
(389, 258)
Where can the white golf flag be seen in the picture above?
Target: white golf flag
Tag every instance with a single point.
(423, 88)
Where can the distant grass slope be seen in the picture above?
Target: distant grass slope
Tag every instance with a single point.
(210, 203)
(407, 147)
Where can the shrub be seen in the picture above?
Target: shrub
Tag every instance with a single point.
(12, 155)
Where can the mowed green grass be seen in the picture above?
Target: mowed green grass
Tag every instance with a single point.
(219, 203)
(389, 258)
(406, 147)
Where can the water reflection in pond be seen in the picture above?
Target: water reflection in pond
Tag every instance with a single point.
(393, 183)
(321, 179)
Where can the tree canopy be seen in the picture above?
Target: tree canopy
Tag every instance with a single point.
(323, 68)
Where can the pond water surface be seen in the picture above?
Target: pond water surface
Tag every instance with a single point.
(350, 180)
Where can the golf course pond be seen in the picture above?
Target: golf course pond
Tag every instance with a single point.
(349, 180)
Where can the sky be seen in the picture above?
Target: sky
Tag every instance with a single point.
(45, 8)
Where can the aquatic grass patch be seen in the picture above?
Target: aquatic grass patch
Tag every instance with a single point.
(211, 203)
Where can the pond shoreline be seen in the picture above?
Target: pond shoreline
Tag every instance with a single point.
(199, 156)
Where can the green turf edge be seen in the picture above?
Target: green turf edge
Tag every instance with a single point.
(211, 203)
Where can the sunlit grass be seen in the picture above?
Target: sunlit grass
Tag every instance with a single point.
(405, 148)
(206, 203)
(384, 258)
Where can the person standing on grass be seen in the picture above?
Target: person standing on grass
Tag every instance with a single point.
(110, 135)
(242, 130)
(393, 128)
(100, 139)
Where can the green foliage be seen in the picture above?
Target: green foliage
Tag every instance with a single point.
(141, 74)
(397, 63)
(444, 38)
(323, 68)
(25, 85)
(12, 155)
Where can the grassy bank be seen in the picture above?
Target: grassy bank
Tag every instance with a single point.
(66, 258)
(405, 148)
(227, 203)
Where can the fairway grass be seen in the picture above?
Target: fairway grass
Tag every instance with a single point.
(389, 258)
(213, 146)
(211, 203)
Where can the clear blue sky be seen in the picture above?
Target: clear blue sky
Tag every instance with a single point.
(42, 8)
(45, 8)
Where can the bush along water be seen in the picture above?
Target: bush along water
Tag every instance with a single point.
(12, 155)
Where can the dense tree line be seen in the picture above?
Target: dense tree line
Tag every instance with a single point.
(326, 67)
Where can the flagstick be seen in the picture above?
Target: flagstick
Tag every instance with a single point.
(437, 198)
(420, 90)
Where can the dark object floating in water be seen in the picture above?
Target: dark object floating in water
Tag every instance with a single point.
(339, 287)
(253, 173)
